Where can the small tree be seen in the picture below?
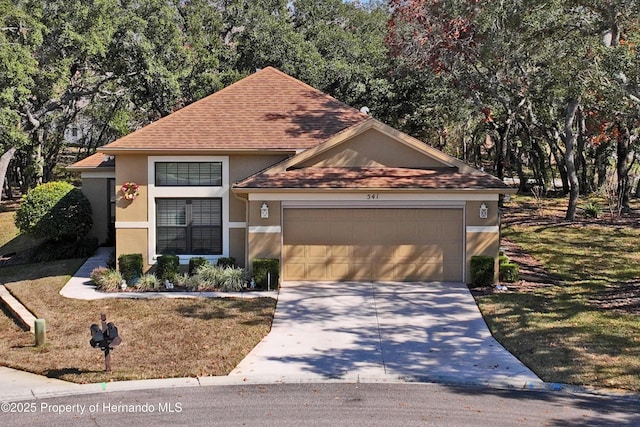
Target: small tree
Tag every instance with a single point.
(55, 211)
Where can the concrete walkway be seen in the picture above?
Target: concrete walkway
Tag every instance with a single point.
(382, 331)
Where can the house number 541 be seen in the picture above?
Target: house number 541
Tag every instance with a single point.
(373, 196)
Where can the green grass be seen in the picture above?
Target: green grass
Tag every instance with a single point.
(566, 332)
(11, 241)
(563, 337)
(577, 252)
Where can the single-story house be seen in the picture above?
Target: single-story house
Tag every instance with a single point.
(270, 167)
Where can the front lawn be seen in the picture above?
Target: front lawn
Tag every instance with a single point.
(161, 337)
(580, 324)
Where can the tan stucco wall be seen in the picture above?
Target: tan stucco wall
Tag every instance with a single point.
(482, 243)
(241, 167)
(487, 244)
(135, 168)
(96, 190)
(373, 149)
(131, 168)
(237, 245)
(473, 214)
(132, 241)
(264, 245)
(254, 214)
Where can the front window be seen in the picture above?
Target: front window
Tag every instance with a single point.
(191, 174)
(189, 226)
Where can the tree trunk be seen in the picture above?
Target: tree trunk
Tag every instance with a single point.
(559, 157)
(582, 168)
(570, 142)
(502, 150)
(622, 165)
(601, 164)
(4, 164)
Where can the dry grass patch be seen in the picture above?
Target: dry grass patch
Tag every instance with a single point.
(161, 337)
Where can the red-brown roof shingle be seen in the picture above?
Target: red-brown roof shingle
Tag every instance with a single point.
(94, 161)
(267, 110)
(382, 177)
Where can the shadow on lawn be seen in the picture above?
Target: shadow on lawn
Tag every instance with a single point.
(210, 309)
(60, 373)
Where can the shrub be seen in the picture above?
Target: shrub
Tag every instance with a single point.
(96, 274)
(55, 211)
(226, 262)
(111, 260)
(482, 271)
(591, 210)
(195, 263)
(168, 267)
(108, 280)
(262, 269)
(509, 272)
(148, 282)
(207, 277)
(130, 266)
(232, 279)
(186, 281)
(503, 259)
(53, 251)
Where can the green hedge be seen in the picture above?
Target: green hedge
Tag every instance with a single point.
(482, 271)
(226, 262)
(168, 267)
(509, 272)
(55, 211)
(261, 267)
(130, 267)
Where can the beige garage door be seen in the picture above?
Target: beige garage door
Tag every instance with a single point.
(373, 244)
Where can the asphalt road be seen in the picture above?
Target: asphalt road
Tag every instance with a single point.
(326, 404)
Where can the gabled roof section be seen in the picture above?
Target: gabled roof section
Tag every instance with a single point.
(419, 149)
(367, 156)
(97, 161)
(268, 110)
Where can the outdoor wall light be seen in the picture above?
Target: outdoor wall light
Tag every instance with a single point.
(264, 210)
(484, 211)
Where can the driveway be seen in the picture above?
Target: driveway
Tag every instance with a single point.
(373, 332)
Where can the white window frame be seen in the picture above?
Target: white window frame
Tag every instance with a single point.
(188, 192)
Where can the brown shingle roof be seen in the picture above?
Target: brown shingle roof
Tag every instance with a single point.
(391, 178)
(267, 110)
(94, 161)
